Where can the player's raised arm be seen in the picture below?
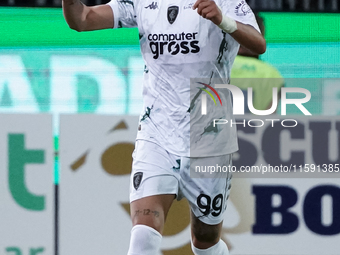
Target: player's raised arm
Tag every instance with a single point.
(250, 38)
(84, 18)
(245, 35)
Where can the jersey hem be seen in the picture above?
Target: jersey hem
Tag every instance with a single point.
(227, 152)
(153, 192)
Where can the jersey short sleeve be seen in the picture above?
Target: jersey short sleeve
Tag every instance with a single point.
(123, 13)
(240, 11)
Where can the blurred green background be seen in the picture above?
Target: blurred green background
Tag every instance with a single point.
(47, 67)
(300, 45)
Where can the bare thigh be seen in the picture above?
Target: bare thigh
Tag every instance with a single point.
(151, 211)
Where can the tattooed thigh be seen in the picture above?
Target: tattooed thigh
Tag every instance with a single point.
(146, 212)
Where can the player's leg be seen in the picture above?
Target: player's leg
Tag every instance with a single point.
(208, 199)
(148, 216)
(206, 239)
(151, 211)
(203, 235)
(152, 190)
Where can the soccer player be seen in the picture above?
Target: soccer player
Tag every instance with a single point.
(179, 40)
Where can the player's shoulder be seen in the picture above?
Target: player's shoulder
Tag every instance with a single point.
(123, 2)
(126, 2)
(238, 7)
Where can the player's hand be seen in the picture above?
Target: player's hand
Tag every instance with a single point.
(209, 10)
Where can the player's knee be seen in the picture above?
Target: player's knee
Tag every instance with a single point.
(151, 221)
(205, 234)
(144, 240)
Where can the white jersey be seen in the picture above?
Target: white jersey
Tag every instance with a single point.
(178, 45)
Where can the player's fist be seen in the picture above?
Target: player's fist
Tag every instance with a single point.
(209, 10)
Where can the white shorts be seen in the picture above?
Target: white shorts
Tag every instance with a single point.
(156, 171)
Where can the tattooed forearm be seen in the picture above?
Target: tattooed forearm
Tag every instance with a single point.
(147, 212)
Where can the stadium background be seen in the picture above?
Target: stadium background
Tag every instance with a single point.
(48, 70)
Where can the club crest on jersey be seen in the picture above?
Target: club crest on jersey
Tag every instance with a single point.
(172, 13)
(137, 179)
(242, 9)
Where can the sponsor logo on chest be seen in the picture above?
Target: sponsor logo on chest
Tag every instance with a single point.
(174, 44)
